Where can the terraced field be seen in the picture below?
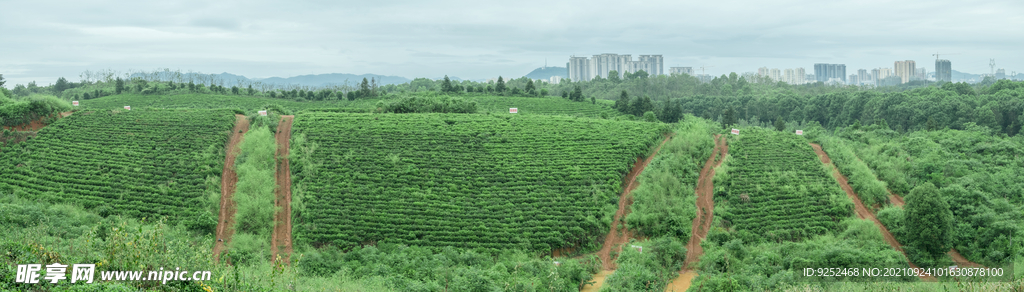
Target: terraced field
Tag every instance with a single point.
(531, 182)
(212, 101)
(777, 188)
(551, 105)
(137, 163)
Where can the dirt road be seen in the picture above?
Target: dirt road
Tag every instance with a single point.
(614, 239)
(705, 215)
(862, 211)
(281, 239)
(228, 179)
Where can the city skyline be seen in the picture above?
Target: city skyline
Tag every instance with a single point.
(47, 40)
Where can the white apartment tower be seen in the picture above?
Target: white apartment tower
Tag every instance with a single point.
(584, 69)
(905, 70)
(798, 76)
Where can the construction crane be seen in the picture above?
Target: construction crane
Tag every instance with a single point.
(702, 67)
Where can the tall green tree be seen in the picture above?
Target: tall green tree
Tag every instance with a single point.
(2, 81)
(929, 222)
(641, 105)
(530, 89)
(780, 125)
(727, 118)
(671, 112)
(446, 85)
(61, 85)
(622, 104)
(577, 94)
(364, 88)
(500, 85)
(613, 76)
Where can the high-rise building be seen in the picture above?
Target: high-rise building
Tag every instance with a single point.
(774, 74)
(763, 71)
(681, 70)
(787, 76)
(875, 76)
(862, 76)
(905, 70)
(583, 69)
(853, 79)
(825, 72)
(884, 73)
(555, 79)
(579, 69)
(1000, 74)
(943, 72)
(799, 76)
(922, 74)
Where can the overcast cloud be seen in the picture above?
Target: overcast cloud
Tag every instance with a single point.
(43, 40)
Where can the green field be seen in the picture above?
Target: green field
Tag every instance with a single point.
(777, 187)
(211, 101)
(530, 182)
(551, 105)
(138, 163)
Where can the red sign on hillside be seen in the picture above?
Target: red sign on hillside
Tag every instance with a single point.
(127, 107)
(735, 131)
(263, 113)
(799, 132)
(513, 110)
(74, 103)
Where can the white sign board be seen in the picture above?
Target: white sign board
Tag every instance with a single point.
(74, 103)
(952, 267)
(127, 107)
(638, 248)
(513, 110)
(263, 113)
(799, 132)
(735, 131)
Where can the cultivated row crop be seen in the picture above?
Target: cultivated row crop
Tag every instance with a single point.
(528, 182)
(777, 187)
(137, 163)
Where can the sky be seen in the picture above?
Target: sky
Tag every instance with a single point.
(44, 40)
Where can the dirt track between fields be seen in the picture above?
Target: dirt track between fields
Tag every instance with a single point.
(862, 211)
(614, 239)
(281, 239)
(705, 216)
(228, 180)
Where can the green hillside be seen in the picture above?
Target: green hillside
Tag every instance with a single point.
(527, 182)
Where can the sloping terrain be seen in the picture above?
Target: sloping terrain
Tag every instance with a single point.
(136, 163)
(528, 182)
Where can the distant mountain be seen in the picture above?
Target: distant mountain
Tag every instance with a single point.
(961, 76)
(332, 78)
(547, 72)
(318, 80)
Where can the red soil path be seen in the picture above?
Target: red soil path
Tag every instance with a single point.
(34, 125)
(228, 179)
(281, 239)
(862, 211)
(705, 215)
(705, 203)
(614, 239)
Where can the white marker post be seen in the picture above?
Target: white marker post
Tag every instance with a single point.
(513, 110)
(74, 103)
(800, 132)
(127, 107)
(638, 248)
(735, 131)
(263, 113)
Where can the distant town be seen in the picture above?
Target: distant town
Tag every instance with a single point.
(607, 65)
